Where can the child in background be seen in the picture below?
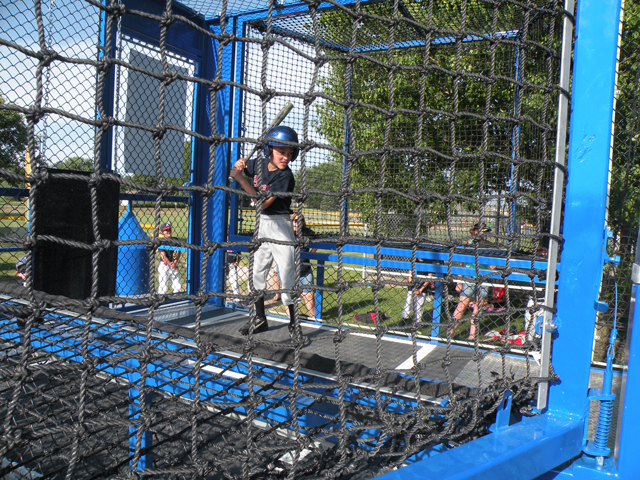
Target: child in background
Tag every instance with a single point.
(168, 267)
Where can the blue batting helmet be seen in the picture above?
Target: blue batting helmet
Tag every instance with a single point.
(286, 134)
(22, 262)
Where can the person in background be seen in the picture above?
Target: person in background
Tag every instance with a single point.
(21, 269)
(418, 298)
(168, 267)
(471, 291)
(306, 272)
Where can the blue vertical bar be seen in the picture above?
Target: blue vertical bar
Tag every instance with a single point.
(319, 293)
(585, 202)
(195, 201)
(218, 203)
(237, 131)
(627, 452)
(106, 140)
(436, 311)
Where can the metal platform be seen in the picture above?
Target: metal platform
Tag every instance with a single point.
(358, 350)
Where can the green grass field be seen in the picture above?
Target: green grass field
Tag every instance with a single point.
(355, 300)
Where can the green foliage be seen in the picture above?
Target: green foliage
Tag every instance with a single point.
(326, 177)
(76, 163)
(13, 139)
(624, 201)
(438, 121)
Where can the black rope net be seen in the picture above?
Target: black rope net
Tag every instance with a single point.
(427, 160)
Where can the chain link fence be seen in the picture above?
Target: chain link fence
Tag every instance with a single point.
(624, 191)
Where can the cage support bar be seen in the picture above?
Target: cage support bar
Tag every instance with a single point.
(558, 187)
(523, 451)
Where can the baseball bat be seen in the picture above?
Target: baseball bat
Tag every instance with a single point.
(282, 114)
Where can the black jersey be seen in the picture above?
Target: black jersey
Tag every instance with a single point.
(277, 181)
(169, 253)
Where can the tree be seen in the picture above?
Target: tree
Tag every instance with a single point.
(13, 139)
(438, 121)
(624, 201)
(326, 177)
(75, 163)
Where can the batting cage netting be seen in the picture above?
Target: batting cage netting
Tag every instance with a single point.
(429, 175)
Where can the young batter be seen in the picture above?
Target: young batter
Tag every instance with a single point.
(275, 218)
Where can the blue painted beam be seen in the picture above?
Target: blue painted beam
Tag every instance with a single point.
(149, 197)
(592, 95)
(523, 451)
(627, 452)
(407, 253)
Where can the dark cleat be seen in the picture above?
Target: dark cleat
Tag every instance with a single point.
(261, 326)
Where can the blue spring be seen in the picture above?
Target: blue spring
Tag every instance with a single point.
(604, 424)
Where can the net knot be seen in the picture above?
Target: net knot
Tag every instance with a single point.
(309, 98)
(20, 372)
(153, 244)
(106, 123)
(158, 131)
(39, 176)
(217, 139)
(104, 65)
(116, 10)
(339, 336)
(211, 248)
(101, 245)
(200, 300)
(342, 287)
(166, 20)
(29, 243)
(169, 77)
(267, 43)
(267, 94)
(206, 191)
(95, 180)
(37, 308)
(46, 56)
(321, 59)
(158, 300)
(166, 189)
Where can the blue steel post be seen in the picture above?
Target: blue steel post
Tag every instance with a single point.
(218, 203)
(107, 48)
(627, 448)
(436, 312)
(594, 70)
(319, 293)
(199, 162)
(237, 131)
(195, 200)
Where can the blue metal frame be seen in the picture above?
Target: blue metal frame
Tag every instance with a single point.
(217, 209)
(629, 413)
(586, 198)
(108, 91)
